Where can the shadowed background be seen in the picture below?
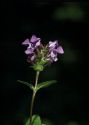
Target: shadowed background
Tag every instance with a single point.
(67, 102)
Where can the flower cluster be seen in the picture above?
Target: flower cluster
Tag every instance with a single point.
(39, 54)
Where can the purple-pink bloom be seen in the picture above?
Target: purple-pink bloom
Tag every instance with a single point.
(37, 53)
(33, 43)
(54, 49)
(53, 46)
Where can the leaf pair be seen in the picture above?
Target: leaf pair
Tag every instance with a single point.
(39, 86)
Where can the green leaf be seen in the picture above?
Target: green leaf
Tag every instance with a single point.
(35, 120)
(27, 84)
(45, 84)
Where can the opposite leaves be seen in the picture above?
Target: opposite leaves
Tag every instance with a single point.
(39, 85)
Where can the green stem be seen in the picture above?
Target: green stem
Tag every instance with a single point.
(33, 96)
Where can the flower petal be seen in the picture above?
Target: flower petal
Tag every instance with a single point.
(60, 50)
(53, 44)
(34, 39)
(29, 51)
(26, 42)
(38, 43)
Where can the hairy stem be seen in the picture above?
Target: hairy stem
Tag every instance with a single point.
(33, 96)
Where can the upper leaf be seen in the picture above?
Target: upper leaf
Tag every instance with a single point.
(45, 84)
(27, 84)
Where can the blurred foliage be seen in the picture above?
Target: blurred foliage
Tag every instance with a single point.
(70, 11)
(47, 122)
(72, 123)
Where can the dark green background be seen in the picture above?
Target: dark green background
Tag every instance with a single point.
(68, 100)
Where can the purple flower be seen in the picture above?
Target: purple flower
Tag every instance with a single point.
(54, 49)
(33, 43)
(53, 46)
(39, 54)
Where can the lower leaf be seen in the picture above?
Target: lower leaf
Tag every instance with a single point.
(35, 120)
